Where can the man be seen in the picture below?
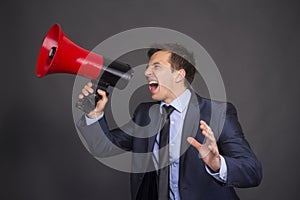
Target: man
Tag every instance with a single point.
(203, 161)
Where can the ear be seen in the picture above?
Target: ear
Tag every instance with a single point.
(180, 75)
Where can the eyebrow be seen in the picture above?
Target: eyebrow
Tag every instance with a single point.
(156, 63)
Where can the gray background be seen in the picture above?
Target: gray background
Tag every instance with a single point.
(254, 43)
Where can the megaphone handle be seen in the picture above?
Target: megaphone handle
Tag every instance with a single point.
(88, 103)
(100, 85)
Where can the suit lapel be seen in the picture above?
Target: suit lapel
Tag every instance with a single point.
(191, 122)
(190, 127)
(156, 118)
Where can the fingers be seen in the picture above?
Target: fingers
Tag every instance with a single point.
(210, 138)
(206, 131)
(198, 145)
(89, 84)
(208, 151)
(201, 148)
(102, 93)
(87, 90)
(194, 143)
(100, 105)
(204, 126)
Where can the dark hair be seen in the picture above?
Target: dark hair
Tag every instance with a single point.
(180, 58)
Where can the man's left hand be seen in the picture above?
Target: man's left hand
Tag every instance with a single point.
(209, 150)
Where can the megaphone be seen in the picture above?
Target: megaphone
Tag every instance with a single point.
(59, 54)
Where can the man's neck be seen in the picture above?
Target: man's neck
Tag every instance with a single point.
(175, 96)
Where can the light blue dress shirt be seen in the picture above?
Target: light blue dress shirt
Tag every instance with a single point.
(176, 124)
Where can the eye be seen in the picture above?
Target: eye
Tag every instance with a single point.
(156, 66)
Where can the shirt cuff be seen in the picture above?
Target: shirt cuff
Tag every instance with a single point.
(222, 174)
(90, 121)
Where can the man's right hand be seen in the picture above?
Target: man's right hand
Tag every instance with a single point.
(88, 90)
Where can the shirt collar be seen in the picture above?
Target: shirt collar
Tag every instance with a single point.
(181, 102)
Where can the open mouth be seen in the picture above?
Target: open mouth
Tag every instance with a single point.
(153, 86)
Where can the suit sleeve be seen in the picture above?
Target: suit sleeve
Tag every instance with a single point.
(101, 142)
(243, 168)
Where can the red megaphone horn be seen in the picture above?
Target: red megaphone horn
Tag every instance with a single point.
(59, 54)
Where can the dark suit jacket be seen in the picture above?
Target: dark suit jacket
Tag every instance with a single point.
(243, 168)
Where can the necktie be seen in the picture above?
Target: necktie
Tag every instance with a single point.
(163, 181)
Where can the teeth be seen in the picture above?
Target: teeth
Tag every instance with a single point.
(152, 82)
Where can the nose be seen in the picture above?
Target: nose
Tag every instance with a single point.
(148, 71)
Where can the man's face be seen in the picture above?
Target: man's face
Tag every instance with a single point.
(161, 77)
